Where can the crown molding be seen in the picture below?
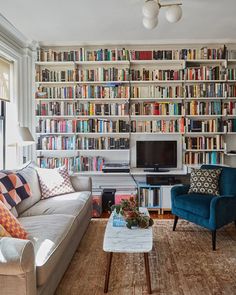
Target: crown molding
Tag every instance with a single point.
(13, 36)
(138, 42)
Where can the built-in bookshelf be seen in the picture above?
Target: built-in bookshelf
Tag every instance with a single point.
(90, 102)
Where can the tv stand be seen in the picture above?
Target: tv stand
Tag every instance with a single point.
(160, 170)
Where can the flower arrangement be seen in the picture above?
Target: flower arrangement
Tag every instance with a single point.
(129, 210)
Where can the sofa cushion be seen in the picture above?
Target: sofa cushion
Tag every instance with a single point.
(198, 204)
(50, 236)
(30, 175)
(70, 204)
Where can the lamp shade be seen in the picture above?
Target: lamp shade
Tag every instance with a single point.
(150, 9)
(25, 136)
(150, 23)
(174, 13)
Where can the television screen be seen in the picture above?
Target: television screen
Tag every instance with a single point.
(156, 154)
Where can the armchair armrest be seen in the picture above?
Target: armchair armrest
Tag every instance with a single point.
(81, 183)
(179, 190)
(176, 191)
(16, 256)
(222, 211)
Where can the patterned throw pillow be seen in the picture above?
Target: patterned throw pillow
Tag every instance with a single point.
(54, 182)
(13, 188)
(3, 232)
(11, 224)
(205, 181)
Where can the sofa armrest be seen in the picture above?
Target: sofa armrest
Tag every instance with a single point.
(81, 183)
(222, 211)
(16, 256)
(17, 267)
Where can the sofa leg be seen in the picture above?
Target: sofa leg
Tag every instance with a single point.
(175, 222)
(235, 223)
(213, 240)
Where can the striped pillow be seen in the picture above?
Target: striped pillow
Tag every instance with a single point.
(11, 224)
(13, 188)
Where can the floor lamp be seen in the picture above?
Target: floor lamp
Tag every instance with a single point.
(24, 138)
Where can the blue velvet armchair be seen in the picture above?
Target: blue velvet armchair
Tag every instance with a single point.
(209, 211)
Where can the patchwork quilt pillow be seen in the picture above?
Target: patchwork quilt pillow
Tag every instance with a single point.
(205, 181)
(13, 188)
(11, 224)
(54, 182)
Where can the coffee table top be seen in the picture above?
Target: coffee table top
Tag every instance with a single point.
(124, 240)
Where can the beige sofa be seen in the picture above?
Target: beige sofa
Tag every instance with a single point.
(56, 226)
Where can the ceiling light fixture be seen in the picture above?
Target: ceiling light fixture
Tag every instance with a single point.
(151, 10)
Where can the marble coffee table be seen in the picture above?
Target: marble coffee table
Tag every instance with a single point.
(124, 240)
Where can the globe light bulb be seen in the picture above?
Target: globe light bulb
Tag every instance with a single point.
(174, 13)
(150, 23)
(150, 9)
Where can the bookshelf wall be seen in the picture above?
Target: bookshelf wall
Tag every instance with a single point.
(92, 104)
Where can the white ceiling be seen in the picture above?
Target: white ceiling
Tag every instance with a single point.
(118, 21)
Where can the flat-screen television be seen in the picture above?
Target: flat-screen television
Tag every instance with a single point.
(156, 154)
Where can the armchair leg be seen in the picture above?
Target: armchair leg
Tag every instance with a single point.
(213, 240)
(175, 222)
(235, 223)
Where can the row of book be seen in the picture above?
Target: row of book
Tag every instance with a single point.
(197, 158)
(213, 125)
(149, 197)
(229, 108)
(203, 108)
(101, 126)
(46, 75)
(83, 91)
(116, 74)
(206, 90)
(157, 91)
(74, 164)
(114, 126)
(158, 126)
(60, 142)
(121, 91)
(102, 74)
(113, 54)
(156, 75)
(63, 108)
(163, 108)
(54, 108)
(102, 143)
(81, 126)
(204, 142)
(176, 54)
(82, 54)
(99, 109)
(205, 73)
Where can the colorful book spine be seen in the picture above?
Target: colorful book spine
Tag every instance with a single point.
(157, 109)
(156, 75)
(102, 74)
(154, 91)
(108, 109)
(203, 108)
(206, 90)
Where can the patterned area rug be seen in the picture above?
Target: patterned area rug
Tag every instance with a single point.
(181, 263)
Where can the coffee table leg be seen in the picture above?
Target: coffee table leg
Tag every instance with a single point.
(147, 270)
(109, 259)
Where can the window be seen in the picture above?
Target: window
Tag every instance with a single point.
(2, 134)
(5, 95)
(5, 69)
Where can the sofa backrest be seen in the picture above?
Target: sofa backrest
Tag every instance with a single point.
(227, 179)
(30, 174)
